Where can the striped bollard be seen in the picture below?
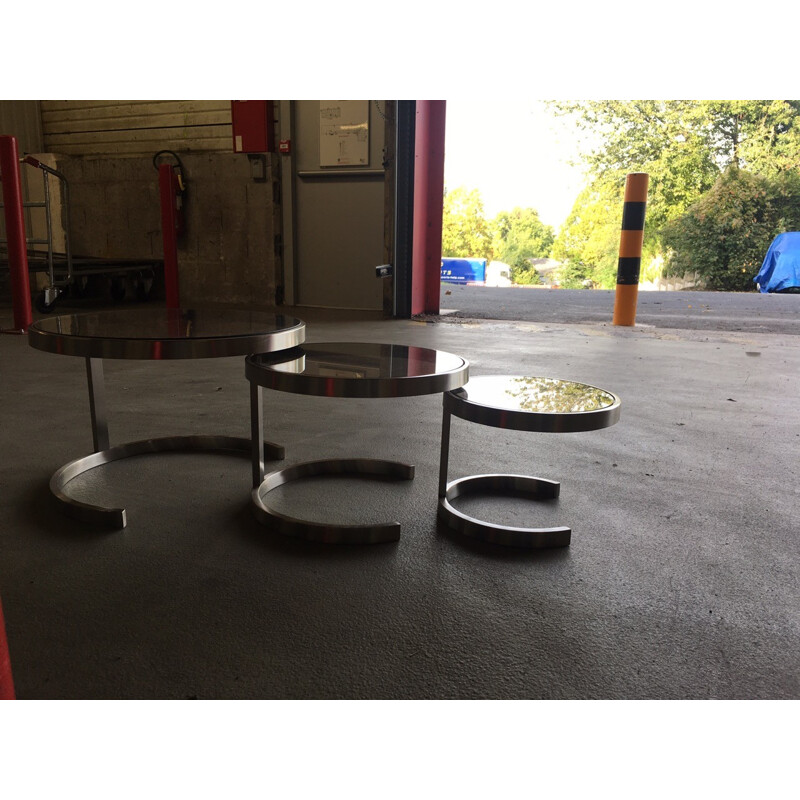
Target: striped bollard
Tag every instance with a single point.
(630, 248)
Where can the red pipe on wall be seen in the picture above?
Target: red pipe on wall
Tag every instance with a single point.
(426, 253)
(15, 233)
(6, 680)
(168, 191)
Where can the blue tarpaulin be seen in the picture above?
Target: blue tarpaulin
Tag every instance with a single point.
(463, 270)
(781, 268)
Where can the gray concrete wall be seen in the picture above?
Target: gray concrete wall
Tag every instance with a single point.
(227, 255)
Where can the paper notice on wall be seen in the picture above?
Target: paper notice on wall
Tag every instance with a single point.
(343, 133)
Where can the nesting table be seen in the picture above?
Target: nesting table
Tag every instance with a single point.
(153, 334)
(278, 359)
(521, 403)
(342, 369)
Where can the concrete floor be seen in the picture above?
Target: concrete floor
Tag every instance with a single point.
(681, 580)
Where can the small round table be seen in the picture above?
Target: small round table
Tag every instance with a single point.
(520, 403)
(153, 334)
(343, 369)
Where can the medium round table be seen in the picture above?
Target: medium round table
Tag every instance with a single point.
(521, 403)
(343, 369)
(153, 334)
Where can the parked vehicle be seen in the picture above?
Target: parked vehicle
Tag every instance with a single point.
(780, 271)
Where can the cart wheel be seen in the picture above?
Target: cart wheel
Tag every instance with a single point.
(117, 289)
(42, 306)
(144, 288)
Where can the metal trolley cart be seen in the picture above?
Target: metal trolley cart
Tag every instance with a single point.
(67, 272)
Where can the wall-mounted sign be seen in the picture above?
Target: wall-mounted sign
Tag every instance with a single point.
(343, 133)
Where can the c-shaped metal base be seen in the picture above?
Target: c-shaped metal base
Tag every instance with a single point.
(515, 485)
(321, 531)
(115, 517)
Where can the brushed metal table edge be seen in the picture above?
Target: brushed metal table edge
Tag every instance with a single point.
(412, 386)
(534, 421)
(166, 349)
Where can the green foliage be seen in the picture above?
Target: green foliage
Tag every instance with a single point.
(588, 242)
(514, 237)
(525, 274)
(725, 235)
(572, 275)
(465, 231)
(519, 236)
(685, 146)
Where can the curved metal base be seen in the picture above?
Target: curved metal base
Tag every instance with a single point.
(321, 531)
(115, 517)
(515, 485)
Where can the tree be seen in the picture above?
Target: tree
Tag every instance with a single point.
(725, 235)
(669, 140)
(758, 135)
(519, 236)
(588, 242)
(465, 231)
(684, 146)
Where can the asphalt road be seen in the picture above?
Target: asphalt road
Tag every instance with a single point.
(723, 311)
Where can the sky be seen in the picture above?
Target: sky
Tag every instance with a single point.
(516, 153)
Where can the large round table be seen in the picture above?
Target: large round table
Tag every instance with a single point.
(153, 334)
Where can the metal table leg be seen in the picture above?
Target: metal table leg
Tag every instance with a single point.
(500, 484)
(324, 532)
(97, 403)
(103, 453)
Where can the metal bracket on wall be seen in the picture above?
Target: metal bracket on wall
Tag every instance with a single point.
(258, 167)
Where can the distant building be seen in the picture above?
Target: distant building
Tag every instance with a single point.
(546, 267)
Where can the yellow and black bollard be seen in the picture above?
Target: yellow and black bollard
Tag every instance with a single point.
(630, 248)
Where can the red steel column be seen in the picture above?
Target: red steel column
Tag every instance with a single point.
(169, 233)
(15, 233)
(426, 258)
(6, 680)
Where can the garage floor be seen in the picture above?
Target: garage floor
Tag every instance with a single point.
(681, 580)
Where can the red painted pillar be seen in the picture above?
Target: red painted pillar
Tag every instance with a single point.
(6, 681)
(15, 233)
(426, 253)
(169, 232)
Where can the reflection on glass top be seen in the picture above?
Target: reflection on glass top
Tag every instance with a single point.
(163, 324)
(540, 395)
(366, 360)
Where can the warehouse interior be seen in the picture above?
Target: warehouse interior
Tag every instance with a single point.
(680, 582)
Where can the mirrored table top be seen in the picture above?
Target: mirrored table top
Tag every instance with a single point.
(359, 369)
(535, 403)
(162, 333)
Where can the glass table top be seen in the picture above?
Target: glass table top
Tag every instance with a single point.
(534, 394)
(360, 369)
(164, 323)
(166, 333)
(534, 403)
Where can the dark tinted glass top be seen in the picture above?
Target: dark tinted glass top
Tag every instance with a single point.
(367, 360)
(162, 324)
(540, 395)
(359, 369)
